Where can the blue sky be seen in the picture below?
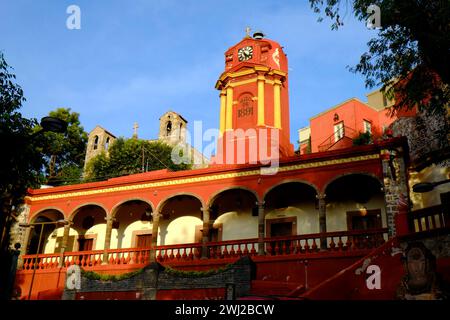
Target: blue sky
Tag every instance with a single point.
(133, 60)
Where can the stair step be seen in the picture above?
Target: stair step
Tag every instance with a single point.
(275, 288)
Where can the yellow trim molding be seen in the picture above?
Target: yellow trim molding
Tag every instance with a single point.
(213, 177)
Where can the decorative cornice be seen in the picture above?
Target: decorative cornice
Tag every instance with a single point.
(204, 178)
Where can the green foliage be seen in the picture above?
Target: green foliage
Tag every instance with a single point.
(109, 277)
(410, 56)
(64, 153)
(21, 161)
(196, 274)
(129, 156)
(362, 139)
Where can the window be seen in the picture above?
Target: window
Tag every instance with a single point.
(367, 126)
(95, 142)
(169, 128)
(338, 131)
(107, 143)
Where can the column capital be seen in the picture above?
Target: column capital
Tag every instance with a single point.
(260, 203)
(321, 196)
(109, 218)
(156, 215)
(203, 209)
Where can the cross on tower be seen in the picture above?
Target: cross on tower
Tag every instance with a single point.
(247, 31)
(135, 127)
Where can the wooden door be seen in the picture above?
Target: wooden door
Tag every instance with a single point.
(143, 241)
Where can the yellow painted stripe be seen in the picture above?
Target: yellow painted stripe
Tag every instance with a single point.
(215, 177)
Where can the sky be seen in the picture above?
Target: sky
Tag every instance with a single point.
(133, 60)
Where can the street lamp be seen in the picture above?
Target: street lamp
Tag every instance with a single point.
(427, 186)
(32, 225)
(51, 124)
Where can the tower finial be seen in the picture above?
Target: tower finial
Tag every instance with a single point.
(135, 127)
(247, 32)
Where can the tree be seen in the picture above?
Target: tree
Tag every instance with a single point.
(20, 161)
(129, 156)
(64, 153)
(410, 57)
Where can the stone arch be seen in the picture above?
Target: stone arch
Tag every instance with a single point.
(290, 181)
(354, 201)
(368, 174)
(290, 208)
(74, 211)
(216, 194)
(36, 214)
(163, 202)
(44, 244)
(117, 205)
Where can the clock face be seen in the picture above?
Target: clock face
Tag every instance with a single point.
(245, 53)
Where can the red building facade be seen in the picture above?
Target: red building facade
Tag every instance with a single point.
(301, 224)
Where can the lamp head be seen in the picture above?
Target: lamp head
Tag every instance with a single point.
(54, 124)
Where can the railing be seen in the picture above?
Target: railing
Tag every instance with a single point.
(428, 219)
(331, 140)
(275, 246)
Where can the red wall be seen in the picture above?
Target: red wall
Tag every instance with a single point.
(352, 113)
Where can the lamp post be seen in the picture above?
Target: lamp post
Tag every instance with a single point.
(32, 225)
(428, 186)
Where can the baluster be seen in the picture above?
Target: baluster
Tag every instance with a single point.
(332, 244)
(291, 246)
(178, 256)
(239, 251)
(82, 260)
(219, 251)
(253, 250)
(283, 247)
(128, 259)
(269, 248)
(89, 260)
(171, 255)
(246, 249)
(307, 247)
(184, 255)
(340, 244)
(225, 251)
(232, 252)
(165, 256)
(25, 264)
(277, 248)
(198, 252)
(314, 245)
(211, 253)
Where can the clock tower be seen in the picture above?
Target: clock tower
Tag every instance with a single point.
(254, 100)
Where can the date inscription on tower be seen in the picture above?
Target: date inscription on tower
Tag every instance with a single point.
(245, 106)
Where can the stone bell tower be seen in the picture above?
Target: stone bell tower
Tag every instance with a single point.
(254, 95)
(172, 128)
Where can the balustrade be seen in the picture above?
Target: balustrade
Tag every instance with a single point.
(428, 219)
(275, 246)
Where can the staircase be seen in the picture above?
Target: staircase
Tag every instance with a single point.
(345, 141)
